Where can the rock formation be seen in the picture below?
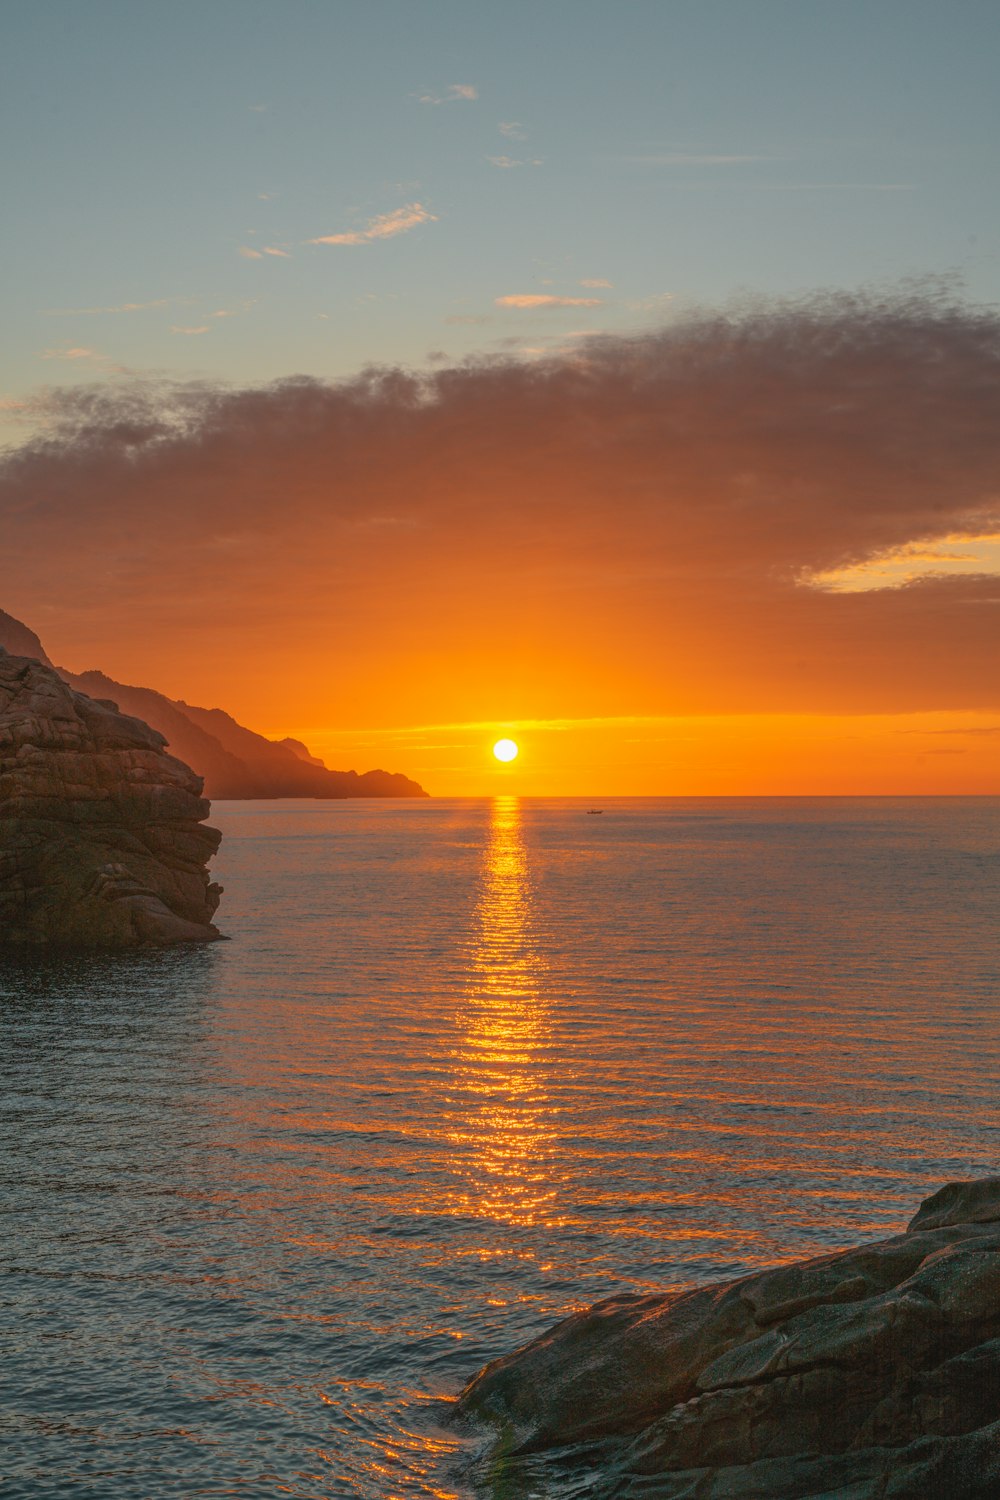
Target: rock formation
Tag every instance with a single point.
(19, 640)
(102, 843)
(873, 1372)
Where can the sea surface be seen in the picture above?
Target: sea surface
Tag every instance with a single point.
(464, 1067)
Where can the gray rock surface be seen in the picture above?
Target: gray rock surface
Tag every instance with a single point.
(102, 843)
(869, 1374)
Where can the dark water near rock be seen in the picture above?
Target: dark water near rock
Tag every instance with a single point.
(465, 1066)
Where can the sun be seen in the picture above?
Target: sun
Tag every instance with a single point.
(505, 750)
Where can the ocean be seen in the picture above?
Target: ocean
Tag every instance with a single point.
(465, 1066)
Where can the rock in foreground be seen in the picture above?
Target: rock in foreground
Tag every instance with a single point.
(102, 843)
(870, 1373)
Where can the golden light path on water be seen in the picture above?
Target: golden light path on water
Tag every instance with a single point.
(499, 1061)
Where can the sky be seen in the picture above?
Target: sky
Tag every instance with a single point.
(619, 377)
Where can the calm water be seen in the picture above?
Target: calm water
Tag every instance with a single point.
(465, 1066)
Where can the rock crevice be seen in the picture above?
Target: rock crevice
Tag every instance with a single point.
(102, 839)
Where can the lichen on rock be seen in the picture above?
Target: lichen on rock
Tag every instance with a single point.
(861, 1375)
(102, 838)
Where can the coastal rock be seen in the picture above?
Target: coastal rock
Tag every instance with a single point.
(102, 843)
(869, 1374)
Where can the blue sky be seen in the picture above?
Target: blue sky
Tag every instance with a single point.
(172, 166)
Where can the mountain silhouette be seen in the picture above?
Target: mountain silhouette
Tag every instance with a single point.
(234, 761)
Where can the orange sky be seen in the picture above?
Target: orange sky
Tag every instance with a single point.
(721, 755)
(611, 556)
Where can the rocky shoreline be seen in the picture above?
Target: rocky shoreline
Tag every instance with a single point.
(102, 839)
(869, 1374)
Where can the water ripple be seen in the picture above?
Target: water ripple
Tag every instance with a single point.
(464, 1067)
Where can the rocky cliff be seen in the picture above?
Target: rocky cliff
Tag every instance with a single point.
(19, 640)
(871, 1374)
(102, 843)
(232, 760)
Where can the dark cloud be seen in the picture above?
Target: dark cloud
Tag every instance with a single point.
(648, 504)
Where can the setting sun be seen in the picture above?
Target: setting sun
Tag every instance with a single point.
(505, 750)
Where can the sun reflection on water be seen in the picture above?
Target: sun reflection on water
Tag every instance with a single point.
(502, 1129)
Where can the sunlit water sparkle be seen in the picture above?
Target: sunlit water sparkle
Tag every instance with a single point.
(465, 1066)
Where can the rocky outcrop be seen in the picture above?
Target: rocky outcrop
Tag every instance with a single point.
(19, 640)
(871, 1374)
(102, 843)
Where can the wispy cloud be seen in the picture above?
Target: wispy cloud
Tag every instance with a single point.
(532, 300)
(383, 227)
(513, 130)
(658, 302)
(959, 729)
(123, 307)
(451, 95)
(250, 254)
(676, 185)
(595, 281)
(694, 159)
(513, 161)
(275, 250)
(234, 312)
(825, 187)
(202, 328)
(73, 353)
(958, 554)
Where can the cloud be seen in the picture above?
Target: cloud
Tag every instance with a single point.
(383, 227)
(513, 130)
(540, 300)
(123, 307)
(895, 567)
(506, 162)
(451, 95)
(235, 312)
(798, 187)
(595, 281)
(274, 250)
(73, 352)
(250, 254)
(648, 510)
(657, 303)
(693, 159)
(202, 328)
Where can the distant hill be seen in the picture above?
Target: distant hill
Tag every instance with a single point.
(302, 751)
(235, 762)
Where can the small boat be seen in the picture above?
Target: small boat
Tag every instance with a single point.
(593, 812)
